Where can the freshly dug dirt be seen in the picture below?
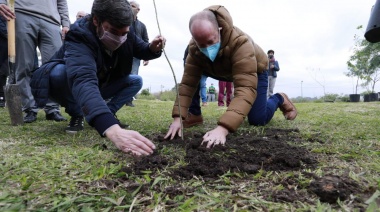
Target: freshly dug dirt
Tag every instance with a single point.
(273, 150)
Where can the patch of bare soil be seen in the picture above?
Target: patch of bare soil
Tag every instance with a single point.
(274, 150)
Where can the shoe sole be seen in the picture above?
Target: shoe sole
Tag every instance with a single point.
(72, 132)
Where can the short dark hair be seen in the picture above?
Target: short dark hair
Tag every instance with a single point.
(117, 12)
(269, 51)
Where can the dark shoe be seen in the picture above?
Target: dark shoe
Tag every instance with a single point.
(124, 126)
(30, 116)
(56, 116)
(192, 120)
(287, 108)
(130, 104)
(76, 124)
(2, 101)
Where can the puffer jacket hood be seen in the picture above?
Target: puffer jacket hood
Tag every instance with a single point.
(239, 60)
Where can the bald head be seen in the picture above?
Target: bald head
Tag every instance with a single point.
(204, 28)
(135, 8)
(81, 14)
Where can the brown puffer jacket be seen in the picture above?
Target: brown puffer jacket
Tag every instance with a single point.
(239, 60)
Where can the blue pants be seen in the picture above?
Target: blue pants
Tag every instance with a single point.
(203, 88)
(118, 91)
(135, 66)
(262, 110)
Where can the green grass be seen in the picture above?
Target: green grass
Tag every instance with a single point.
(44, 169)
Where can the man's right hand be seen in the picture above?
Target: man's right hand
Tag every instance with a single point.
(6, 12)
(174, 128)
(130, 141)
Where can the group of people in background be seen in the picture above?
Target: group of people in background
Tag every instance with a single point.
(91, 69)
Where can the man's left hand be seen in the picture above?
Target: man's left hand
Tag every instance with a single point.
(64, 32)
(215, 137)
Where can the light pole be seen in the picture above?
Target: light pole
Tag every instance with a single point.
(301, 89)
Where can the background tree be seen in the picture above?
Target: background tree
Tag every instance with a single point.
(364, 63)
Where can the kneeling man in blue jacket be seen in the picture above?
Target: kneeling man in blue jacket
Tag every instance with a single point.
(94, 65)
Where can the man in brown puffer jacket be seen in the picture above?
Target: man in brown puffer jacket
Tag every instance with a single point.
(220, 50)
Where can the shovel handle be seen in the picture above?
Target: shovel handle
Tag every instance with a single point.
(11, 34)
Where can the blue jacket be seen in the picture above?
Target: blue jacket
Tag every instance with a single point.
(89, 68)
(273, 71)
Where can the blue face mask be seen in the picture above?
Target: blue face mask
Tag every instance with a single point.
(211, 51)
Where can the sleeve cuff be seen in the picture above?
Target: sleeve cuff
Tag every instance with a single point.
(102, 122)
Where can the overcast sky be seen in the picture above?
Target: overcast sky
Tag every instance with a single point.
(312, 39)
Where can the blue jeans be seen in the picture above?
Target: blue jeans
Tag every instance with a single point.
(135, 66)
(203, 88)
(195, 107)
(118, 91)
(262, 110)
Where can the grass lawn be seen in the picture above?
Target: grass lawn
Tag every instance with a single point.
(44, 169)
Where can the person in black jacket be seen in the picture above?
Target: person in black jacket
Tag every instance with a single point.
(94, 65)
(141, 32)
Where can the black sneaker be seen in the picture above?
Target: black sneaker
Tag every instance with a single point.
(30, 116)
(56, 116)
(76, 124)
(2, 101)
(130, 104)
(124, 126)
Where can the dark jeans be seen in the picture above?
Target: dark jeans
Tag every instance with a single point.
(262, 110)
(119, 91)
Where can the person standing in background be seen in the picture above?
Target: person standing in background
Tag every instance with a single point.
(273, 67)
(81, 14)
(43, 26)
(225, 90)
(142, 33)
(211, 92)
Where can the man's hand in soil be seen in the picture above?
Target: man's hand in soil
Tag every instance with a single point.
(129, 141)
(174, 128)
(215, 137)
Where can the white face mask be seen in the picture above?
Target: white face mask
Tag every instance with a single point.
(111, 41)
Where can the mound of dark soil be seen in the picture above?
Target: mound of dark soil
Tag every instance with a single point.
(273, 150)
(242, 153)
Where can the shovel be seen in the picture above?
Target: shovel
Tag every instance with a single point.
(12, 90)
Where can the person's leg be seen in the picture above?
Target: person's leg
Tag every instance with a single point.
(202, 85)
(134, 71)
(271, 83)
(121, 91)
(60, 91)
(49, 43)
(25, 47)
(194, 115)
(195, 107)
(228, 93)
(222, 86)
(135, 66)
(263, 109)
